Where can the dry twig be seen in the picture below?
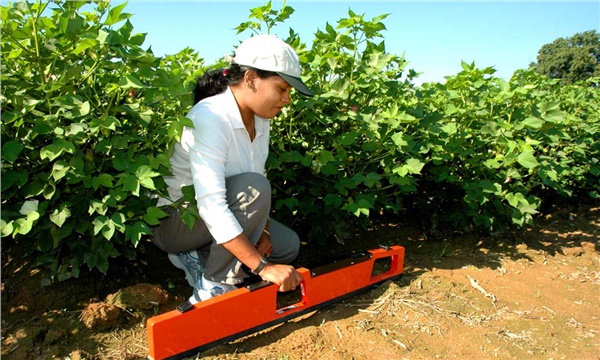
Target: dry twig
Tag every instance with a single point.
(482, 290)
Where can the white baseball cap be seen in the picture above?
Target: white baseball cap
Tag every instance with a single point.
(268, 52)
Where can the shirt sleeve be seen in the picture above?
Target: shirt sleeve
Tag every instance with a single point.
(207, 145)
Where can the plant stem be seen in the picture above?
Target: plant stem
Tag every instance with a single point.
(36, 43)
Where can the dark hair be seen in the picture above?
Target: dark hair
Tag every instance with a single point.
(214, 82)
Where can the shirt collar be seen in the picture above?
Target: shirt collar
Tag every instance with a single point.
(233, 112)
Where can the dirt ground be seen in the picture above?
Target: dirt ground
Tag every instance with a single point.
(529, 294)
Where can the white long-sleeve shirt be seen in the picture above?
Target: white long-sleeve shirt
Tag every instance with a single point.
(216, 148)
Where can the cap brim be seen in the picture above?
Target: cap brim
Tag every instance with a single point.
(297, 84)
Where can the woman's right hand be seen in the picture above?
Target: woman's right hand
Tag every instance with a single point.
(285, 276)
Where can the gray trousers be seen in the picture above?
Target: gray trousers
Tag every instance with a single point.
(249, 198)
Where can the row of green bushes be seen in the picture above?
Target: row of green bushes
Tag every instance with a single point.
(476, 152)
(88, 117)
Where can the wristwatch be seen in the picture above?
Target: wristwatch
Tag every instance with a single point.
(261, 264)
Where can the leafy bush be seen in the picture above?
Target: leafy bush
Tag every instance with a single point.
(335, 154)
(476, 152)
(498, 148)
(87, 114)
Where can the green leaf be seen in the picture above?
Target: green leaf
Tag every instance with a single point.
(84, 45)
(548, 174)
(76, 129)
(515, 199)
(131, 184)
(118, 220)
(99, 223)
(11, 150)
(372, 179)
(12, 177)
(347, 138)
(153, 214)
(360, 207)
(412, 166)
(548, 106)
(145, 175)
(6, 228)
(134, 232)
(379, 60)
(130, 81)
(357, 179)
(24, 226)
(527, 160)
(189, 194)
(108, 230)
(54, 150)
(121, 161)
(107, 122)
(406, 118)
(82, 110)
(403, 141)
(98, 207)
(102, 36)
(450, 128)
(291, 203)
(115, 15)
(60, 169)
(29, 206)
(325, 156)
(41, 126)
(189, 215)
(492, 164)
(533, 122)
(60, 216)
(490, 187)
(554, 116)
(333, 200)
(49, 190)
(105, 180)
(102, 261)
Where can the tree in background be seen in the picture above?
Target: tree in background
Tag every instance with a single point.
(571, 59)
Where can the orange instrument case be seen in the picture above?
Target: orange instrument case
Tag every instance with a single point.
(178, 334)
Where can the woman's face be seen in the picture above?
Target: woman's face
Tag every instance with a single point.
(271, 94)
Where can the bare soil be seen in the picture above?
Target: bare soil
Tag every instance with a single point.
(533, 293)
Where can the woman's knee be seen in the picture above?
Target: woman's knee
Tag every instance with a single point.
(294, 248)
(173, 236)
(286, 243)
(254, 186)
(249, 180)
(260, 183)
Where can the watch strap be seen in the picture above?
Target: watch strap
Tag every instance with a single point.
(261, 265)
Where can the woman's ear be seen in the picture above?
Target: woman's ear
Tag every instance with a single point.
(249, 77)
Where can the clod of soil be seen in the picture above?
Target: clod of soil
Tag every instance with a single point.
(139, 297)
(101, 316)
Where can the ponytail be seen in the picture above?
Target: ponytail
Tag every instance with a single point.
(214, 82)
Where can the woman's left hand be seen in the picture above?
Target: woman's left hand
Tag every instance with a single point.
(264, 245)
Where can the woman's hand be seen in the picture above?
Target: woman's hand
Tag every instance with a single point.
(264, 245)
(285, 276)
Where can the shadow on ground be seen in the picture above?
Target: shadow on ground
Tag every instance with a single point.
(44, 322)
